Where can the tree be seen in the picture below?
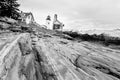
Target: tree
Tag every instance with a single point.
(3, 6)
(9, 8)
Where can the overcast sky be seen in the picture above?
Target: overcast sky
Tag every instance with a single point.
(76, 14)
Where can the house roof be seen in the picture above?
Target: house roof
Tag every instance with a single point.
(26, 14)
(57, 22)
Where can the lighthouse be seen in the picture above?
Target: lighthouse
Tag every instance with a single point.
(48, 20)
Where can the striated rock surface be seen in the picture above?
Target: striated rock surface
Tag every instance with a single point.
(46, 56)
(20, 60)
(12, 57)
(80, 61)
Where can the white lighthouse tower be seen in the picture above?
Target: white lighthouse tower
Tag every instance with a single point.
(48, 22)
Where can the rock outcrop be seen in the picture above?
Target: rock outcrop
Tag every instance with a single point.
(50, 56)
(80, 61)
(19, 60)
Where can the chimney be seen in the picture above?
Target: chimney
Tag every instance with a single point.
(55, 17)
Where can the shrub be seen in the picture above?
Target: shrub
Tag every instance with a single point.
(106, 40)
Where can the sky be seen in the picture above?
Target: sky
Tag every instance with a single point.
(76, 14)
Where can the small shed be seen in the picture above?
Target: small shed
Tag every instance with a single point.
(57, 25)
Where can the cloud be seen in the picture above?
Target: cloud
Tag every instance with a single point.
(100, 11)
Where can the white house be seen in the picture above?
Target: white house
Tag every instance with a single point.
(27, 17)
